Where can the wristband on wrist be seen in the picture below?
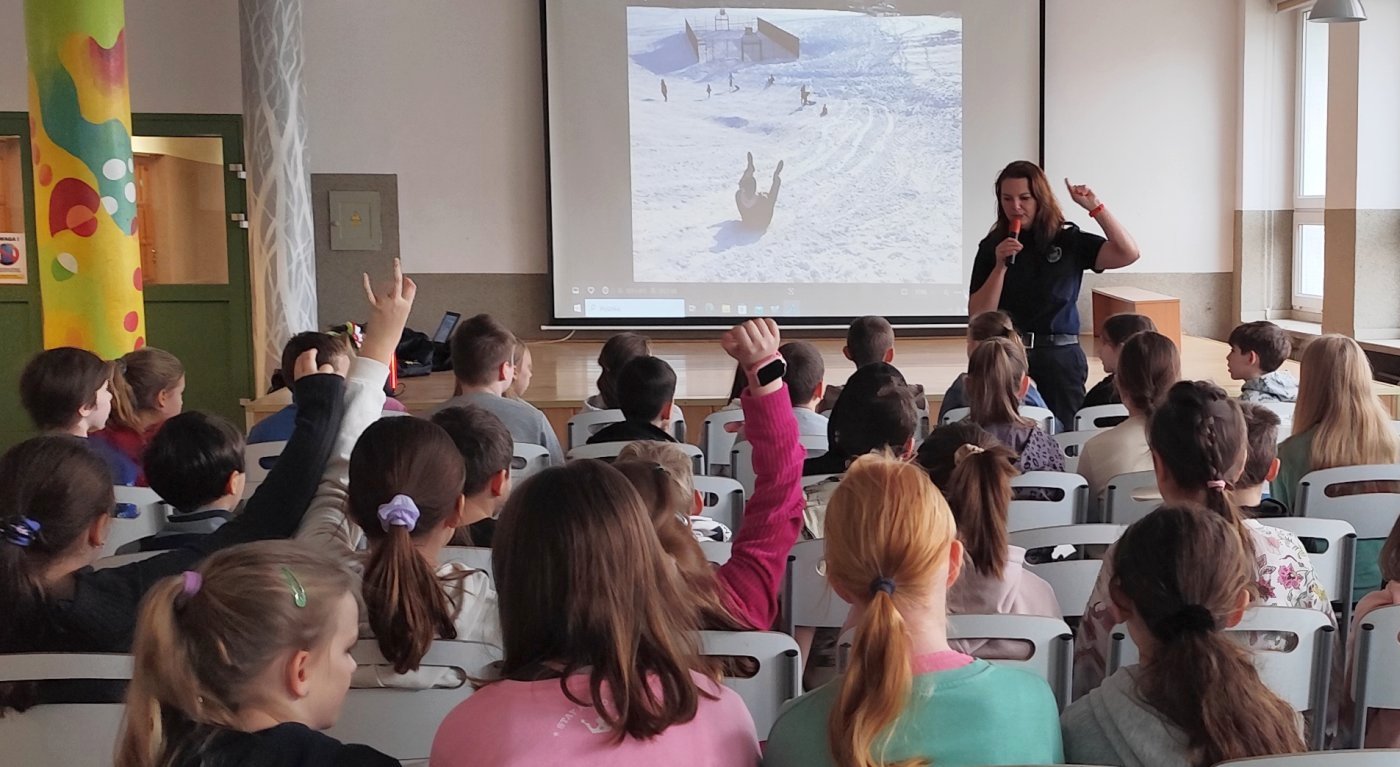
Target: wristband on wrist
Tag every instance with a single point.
(1096, 211)
(766, 370)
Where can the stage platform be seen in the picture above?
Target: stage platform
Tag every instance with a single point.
(564, 375)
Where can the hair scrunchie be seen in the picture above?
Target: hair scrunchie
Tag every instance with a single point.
(967, 451)
(19, 531)
(400, 511)
(1191, 619)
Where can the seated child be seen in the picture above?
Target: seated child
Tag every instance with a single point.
(69, 391)
(483, 351)
(1257, 349)
(980, 328)
(646, 388)
(195, 464)
(615, 354)
(1261, 463)
(331, 349)
(1181, 579)
(1116, 332)
(148, 387)
(524, 371)
(997, 382)
(487, 450)
(804, 378)
(876, 411)
(869, 340)
(244, 660)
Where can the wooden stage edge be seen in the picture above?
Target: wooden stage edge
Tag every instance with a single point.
(565, 372)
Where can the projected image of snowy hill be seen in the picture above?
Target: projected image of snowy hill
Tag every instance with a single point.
(864, 112)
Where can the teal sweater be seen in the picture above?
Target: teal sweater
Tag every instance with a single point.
(975, 715)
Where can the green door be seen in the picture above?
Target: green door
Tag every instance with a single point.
(22, 334)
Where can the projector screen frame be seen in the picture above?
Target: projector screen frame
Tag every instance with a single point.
(696, 323)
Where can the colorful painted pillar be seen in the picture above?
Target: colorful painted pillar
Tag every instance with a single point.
(84, 176)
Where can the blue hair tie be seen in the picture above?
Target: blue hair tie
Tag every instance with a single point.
(20, 531)
(882, 584)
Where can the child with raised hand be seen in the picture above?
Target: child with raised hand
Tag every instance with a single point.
(1198, 441)
(907, 697)
(974, 470)
(69, 391)
(743, 592)
(57, 500)
(1181, 579)
(1116, 332)
(334, 349)
(242, 661)
(601, 663)
(997, 382)
(148, 388)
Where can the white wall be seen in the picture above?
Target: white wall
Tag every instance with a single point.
(1142, 104)
(1268, 107)
(182, 56)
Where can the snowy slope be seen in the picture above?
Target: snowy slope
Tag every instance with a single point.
(872, 193)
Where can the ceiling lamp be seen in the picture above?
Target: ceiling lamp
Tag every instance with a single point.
(1335, 11)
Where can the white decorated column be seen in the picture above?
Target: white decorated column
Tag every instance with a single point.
(282, 240)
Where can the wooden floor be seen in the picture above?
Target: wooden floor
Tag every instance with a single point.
(564, 375)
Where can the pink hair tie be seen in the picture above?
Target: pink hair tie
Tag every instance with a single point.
(191, 583)
(1216, 484)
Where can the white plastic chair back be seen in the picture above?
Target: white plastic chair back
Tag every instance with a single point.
(1130, 497)
(139, 513)
(1370, 514)
(717, 552)
(1042, 416)
(1376, 757)
(718, 443)
(741, 459)
(1299, 675)
(1331, 545)
(723, 500)
(1072, 579)
(258, 460)
(475, 557)
(121, 560)
(779, 677)
(402, 722)
(68, 734)
(608, 452)
(527, 460)
(1099, 417)
(1377, 655)
(1052, 657)
(808, 598)
(1072, 445)
(1068, 510)
(1284, 411)
(586, 424)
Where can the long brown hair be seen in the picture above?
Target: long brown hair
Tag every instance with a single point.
(994, 374)
(1198, 436)
(203, 639)
(138, 378)
(974, 471)
(1148, 366)
(994, 324)
(615, 354)
(1048, 218)
(57, 383)
(889, 531)
(1336, 398)
(585, 588)
(662, 476)
(1182, 570)
(405, 601)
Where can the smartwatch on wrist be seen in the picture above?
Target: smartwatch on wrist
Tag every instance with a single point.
(767, 370)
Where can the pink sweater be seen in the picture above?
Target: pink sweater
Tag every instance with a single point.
(534, 723)
(751, 579)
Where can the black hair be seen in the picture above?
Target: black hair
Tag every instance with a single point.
(189, 460)
(644, 387)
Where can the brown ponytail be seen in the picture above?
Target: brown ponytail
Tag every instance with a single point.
(995, 324)
(1182, 571)
(137, 379)
(1148, 366)
(203, 639)
(994, 374)
(398, 464)
(974, 471)
(889, 532)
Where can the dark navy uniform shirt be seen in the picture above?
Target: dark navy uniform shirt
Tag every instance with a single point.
(1041, 290)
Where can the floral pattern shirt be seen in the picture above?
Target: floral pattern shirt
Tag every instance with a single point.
(1286, 579)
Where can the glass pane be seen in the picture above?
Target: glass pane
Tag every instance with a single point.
(1312, 180)
(1307, 261)
(180, 212)
(11, 185)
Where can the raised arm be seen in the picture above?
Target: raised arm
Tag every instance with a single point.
(1121, 249)
(752, 577)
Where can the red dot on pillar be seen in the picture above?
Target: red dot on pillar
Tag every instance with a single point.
(129, 322)
(45, 175)
(136, 279)
(140, 342)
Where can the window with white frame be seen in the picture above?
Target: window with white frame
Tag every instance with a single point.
(1310, 167)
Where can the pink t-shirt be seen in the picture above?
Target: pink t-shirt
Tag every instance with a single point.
(533, 723)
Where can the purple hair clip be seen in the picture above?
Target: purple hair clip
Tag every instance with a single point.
(400, 511)
(193, 581)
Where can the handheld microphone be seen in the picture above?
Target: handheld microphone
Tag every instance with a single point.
(1015, 235)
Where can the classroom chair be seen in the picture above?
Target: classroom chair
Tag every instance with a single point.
(1130, 497)
(139, 513)
(779, 677)
(1072, 445)
(1371, 514)
(70, 734)
(527, 460)
(718, 443)
(1374, 660)
(722, 500)
(1331, 545)
(1067, 559)
(1042, 416)
(717, 552)
(807, 597)
(1068, 509)
(608, 452)
(586, 424)
(475, 557)
(258, 460)
(1052, 655)
(1380, 757)
(741, 459)
(1099, 417)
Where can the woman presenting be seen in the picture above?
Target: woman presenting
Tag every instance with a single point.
(1035, 276)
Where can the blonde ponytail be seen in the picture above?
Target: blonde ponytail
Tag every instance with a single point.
(138, 378)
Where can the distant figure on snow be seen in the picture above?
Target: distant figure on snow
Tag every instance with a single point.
(707, 91)
(756, 209)
(823, 110)
(665, 94)
(732, 86)
(771, 80)
(805, 93)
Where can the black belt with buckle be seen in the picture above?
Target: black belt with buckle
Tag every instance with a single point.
(1041, 340)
